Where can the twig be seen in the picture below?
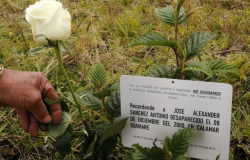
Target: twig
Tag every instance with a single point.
(226, 51)
(241, 94)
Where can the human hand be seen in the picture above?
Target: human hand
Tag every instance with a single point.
(24, 91)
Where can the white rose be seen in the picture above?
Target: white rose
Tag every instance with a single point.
(47, 17)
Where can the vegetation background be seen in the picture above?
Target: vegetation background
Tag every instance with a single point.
(101, 32)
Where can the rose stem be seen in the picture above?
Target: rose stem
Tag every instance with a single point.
(59, 58)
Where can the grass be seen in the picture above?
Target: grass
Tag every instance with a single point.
(101, 32)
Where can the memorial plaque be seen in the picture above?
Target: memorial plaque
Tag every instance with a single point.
(159, 107)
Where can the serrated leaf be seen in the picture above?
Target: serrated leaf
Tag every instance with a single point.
(105, 93)
(37, 50)
(113, 129)
(92, 102)
(154, 38)
(115, 86)
(108, 146)
(180, 4)
(102, 94)
(98, 75)
(192, 75)
(86, 99)
(113, 103)
(151, 153)
(161, 71)
(167, 15)
(63, 142)
(101, 128)
(196, 42)
(79, 95)
(221, 67)
(199, 66)
(179, 144)
(57, 130)
(89, 144)
(137, 155)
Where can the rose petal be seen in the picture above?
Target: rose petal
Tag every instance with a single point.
(47, 17)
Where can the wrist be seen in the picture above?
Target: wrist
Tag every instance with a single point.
(1, 70)
(5, 85)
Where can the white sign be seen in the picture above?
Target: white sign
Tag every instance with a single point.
(159, 107)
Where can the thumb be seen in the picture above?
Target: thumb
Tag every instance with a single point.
(40, 112)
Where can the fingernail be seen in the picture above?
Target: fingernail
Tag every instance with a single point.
(47, 119)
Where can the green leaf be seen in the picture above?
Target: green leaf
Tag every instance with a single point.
(180, 158)
(105, 93)
(128, 157)
(108, 146)
(154, 38)
(113, 104)
(57, 130)
(179, 144)
(113, 129)
(151, 153)
(115, 86)
(167, 15)
(79, 95)
(64, 106)
(101, 128)
(192, 75)
(221, 67)
(63, 47)
(86, 99)
(50, 102)
(182, 51)
(196, 42)
(92, 102)
(89, 144)
(199, 66)
(180, 4)
(102, 94)
(137, 155)
(161, 71)
(63, 142)
(98, 75)
(37, 50)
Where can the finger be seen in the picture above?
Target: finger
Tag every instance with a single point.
(55, 109)
(24, 118)
(56, 113)
(40, 112)
(43, 128)
(34, 126)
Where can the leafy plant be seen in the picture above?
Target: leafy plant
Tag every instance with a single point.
(102, 139)
(61, 133)
(173, 148)
(187, 67)
(185, 51)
